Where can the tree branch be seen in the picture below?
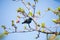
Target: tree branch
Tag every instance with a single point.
(58, 33)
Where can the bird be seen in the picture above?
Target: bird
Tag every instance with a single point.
(27, 21)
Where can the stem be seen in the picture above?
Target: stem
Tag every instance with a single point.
(38, 35)
(35, 23)
(15, 28)
(34, 8)
(47, 36)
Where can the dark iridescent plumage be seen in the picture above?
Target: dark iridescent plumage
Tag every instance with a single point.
(28, 21)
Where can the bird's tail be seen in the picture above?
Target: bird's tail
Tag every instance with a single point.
(22, 22)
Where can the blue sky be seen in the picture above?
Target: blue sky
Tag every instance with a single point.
(8, 12)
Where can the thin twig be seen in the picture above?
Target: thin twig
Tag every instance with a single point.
(15, 28)
(34, 8)
(47, 36)
(35, 23)
(38, 35)
(25, 5)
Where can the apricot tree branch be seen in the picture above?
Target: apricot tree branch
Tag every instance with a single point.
(58, 33)
(38, 35)
(25, 4)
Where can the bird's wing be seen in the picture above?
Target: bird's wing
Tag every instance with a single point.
(26, 20)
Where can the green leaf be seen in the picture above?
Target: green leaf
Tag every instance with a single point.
(5, 32)
(56, 12)
(54, 20)
(18, 16)
(29, 3)
(1, 36)
(43, 25)
(36, 0)
(49, 9)
(38, 25)
(43, 30)
(12, 22)
(58, 8)
(3, 26)
(20, 10)
(24, 27)
(38, 12)
(30, 13)
(33, 5)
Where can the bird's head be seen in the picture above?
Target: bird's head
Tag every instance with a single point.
(30, 18)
